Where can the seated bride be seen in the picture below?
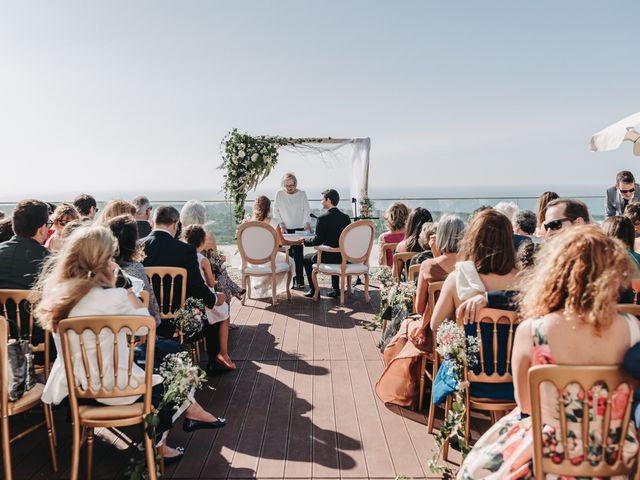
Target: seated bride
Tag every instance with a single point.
(261, 286)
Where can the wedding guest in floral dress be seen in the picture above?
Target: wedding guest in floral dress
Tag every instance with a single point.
(570, 301)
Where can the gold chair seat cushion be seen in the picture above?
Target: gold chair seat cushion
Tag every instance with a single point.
(106, 413)
(336, 268)
(30, 399)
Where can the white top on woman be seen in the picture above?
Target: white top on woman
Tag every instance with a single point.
(99, 301)
(292, 209)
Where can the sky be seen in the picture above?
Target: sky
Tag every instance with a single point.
(124, 97)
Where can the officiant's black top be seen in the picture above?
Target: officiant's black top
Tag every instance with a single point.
(328, 229)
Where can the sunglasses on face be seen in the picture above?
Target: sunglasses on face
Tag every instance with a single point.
(631, 190)
(49, 224)
(62, 223)
(556, 224)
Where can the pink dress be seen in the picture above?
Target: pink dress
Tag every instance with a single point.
(505, 451)
(390, 238)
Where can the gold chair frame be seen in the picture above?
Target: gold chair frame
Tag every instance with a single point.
(270, 259)
(30, 400)
(90, 416)
(629, 308)
(586, 377)
(401, 264)
(388, 246)
(346, 259)
(430, 357)
(414, 271)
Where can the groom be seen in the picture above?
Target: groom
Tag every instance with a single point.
(328, 229)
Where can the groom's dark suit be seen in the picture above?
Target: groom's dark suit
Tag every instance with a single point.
(328, 229)
(162, 250)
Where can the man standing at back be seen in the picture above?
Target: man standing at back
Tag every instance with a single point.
(328, 229)
(162, 249)
(624, 192)
(142, 216)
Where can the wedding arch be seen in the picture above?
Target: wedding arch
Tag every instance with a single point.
(248, 160)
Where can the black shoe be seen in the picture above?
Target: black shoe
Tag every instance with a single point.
(189, 425)
(333, 294)
(177, 458)
(310, 294)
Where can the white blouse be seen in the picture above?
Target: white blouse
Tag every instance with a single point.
(292, 209)
(99, 301)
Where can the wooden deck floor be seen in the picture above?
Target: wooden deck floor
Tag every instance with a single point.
(300, 405)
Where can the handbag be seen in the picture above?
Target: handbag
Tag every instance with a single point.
(445, 382)
(20, 369)
(21, 374)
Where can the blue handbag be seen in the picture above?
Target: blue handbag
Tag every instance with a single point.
(445, 382)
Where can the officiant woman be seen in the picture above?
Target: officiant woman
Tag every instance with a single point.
(292, 211)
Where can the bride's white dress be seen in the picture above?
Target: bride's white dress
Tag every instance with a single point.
(261, 286)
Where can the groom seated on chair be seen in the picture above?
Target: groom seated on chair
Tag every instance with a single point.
(328, 229)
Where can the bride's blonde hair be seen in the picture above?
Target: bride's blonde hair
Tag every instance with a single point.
(81, 265)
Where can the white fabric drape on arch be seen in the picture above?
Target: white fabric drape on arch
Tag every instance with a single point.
(359, 171)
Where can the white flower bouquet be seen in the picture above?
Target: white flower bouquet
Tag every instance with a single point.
(190, 319)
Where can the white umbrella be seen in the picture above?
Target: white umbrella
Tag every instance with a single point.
(612, 137)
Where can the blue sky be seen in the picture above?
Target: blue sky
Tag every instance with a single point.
(126, 96)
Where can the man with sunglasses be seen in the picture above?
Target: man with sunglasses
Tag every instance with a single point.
(624, 192)
(563, 213)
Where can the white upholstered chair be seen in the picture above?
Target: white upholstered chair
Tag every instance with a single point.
(356, 242)
(258, 246)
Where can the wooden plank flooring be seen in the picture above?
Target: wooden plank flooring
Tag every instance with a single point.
(300, 405)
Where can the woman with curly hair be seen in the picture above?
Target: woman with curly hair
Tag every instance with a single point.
(395, 219)
(569, 301)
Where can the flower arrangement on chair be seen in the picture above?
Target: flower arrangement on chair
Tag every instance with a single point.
(190, 323)
(181, 379)
(457, 350)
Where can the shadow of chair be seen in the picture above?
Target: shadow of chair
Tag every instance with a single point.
(101, 350)
(258, 247)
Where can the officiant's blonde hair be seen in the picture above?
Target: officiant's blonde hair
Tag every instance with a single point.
(289, 176)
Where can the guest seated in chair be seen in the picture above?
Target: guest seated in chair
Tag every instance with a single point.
(395, 219)
(429, 229)
(411, 242)
(261, 286)
(486, 261)
(328, 229)
(571, 320)
(81, 282)
(62, 215)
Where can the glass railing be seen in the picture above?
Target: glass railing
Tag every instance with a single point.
(222, 213)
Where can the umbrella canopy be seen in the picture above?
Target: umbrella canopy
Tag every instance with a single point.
(612, 137)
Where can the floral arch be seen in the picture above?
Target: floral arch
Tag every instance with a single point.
(248, 160)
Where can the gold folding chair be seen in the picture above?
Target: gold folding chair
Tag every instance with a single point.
(145, 298)
(629, 308)
(28, 401)
(81, 343)
(401, 265)
(386, 247)
(430, 357)
(560, 377)
(414, 271)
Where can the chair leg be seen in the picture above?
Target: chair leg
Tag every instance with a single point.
(52, 441)
(447, 442)
(89, 452)
(150, 455)
(316, 286)
(274, 294)
(75, 451)
(342, 290)
(423, 378)
(348, 285)
(6, 449)
(467, 420)
(367, 299)
(53, 425)
(246, 293)
(289, 285)
(432, 407)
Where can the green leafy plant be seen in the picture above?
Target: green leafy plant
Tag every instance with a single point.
(181, 379)
(459, 349)
(248, 160)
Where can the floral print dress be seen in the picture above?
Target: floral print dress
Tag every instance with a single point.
(505, 451)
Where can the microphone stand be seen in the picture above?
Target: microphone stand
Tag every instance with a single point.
(354, 202)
